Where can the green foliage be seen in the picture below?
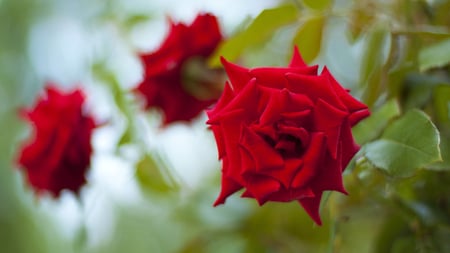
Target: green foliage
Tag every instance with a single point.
(153, 177)
(441, 103)
(443, 165)
(318, 4)
(121, 100)
(308, 38)
(435, 55)
(135, 20)
(373, 53)
(414, 216)
(406, 145)
(377, 40)
(257, 32)
(371, 127)
(143, 229)
(267, 228)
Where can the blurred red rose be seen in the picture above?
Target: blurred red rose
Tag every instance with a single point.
(284, 134)
(58, 154)
(176, 78)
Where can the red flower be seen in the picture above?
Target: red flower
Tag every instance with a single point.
(58, 154)
(284, 134)
(166, 85)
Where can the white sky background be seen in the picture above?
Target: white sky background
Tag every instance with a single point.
(62, 48)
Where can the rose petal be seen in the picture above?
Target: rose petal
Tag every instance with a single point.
(207, 35)
(274, 77)
(247, 161)
(220, 142)
(314, 87)
(291, 194)
(328, 119)
(227, 96)
(300, 118)
(299, 102)
(238, 75)
(275, 105)
(332, 168)
(311, 206)
(286, 145)
(247, 194)
(167, 57)
(349, 146)
(264, 156)
(287, 173)
(282, 103)
(297, 60)
(357, 116)
(298, 132)
(229, 186)
(231, 142)
(265, 131)
(351, 103)
(244, 100)
(312, 160)
(232, 114)
(260, 187)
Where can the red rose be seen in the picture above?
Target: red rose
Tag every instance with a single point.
(58, 154)
(284, 134)
(166, 85)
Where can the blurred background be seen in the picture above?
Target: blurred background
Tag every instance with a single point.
(164, 204)
(61, 41)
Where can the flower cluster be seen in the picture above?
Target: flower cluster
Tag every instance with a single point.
(284, 134)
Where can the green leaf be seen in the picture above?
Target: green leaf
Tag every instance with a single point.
(375, 43)
(443, 165)
(257, 32)
(308, 38)
(435, 55)
(371, 127)
(318, 4)
(134, 20)
(127, 136)
(441, 102)
(373, 59)
(408, 144)
(153, 176)
(417, 91)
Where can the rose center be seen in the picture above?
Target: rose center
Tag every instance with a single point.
(289, 140)
(288, 145)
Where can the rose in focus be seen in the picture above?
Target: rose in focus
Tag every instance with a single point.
(176, 78)
(284, 134)
(58, 154)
